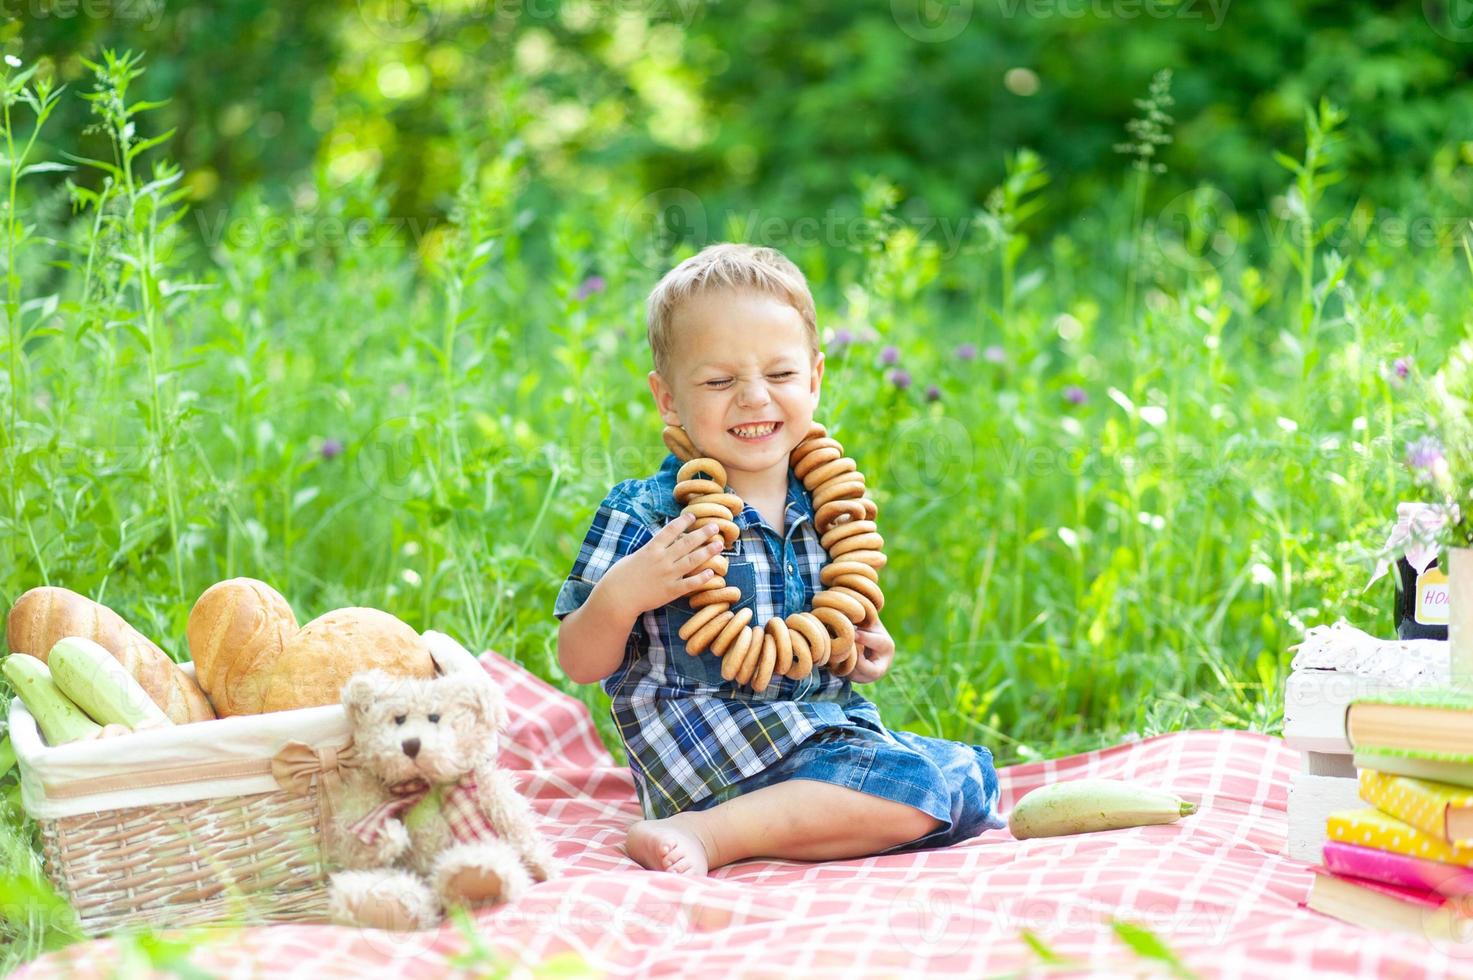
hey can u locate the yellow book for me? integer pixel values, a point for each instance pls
(1372, 828)
(1442, 810)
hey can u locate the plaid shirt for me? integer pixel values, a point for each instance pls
(689, 734)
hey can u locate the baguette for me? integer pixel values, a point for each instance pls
(46, 614)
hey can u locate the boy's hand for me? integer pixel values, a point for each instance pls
(876, 651)
(665, 567)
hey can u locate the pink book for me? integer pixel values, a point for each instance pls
(1374, 864)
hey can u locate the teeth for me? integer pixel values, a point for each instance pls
(755, 431)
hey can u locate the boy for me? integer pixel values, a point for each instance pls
(804, 770)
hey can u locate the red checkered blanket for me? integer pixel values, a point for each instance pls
(1213, 887)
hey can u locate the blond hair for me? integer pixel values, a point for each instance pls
(728, 265)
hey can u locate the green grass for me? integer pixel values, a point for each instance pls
(1061, 574)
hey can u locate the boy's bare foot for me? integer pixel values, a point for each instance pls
(666, 845)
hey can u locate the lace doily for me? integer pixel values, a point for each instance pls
(1342, 647)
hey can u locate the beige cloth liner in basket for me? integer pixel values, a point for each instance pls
(188, 824)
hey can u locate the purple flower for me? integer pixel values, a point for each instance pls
(994, 354)
(933, 393)
(899, 377)
(331, 448)
(965, 352)
(1402, 367)
(593, 284)
(1075, 395)
(890, 354)
(843, 337)
(1425, 457)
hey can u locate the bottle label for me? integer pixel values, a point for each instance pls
(1431, 607)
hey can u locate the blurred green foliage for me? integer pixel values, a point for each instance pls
(777, 102)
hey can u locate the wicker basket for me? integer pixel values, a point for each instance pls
(217, 821)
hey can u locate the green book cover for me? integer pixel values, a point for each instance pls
(1442, 767)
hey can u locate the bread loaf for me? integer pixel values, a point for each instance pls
(237, 630)
(318, 661)
(251, 657)
(44, 615)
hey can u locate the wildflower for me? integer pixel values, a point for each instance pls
(1426, 460)
(933, 393)
(12, 61)
(890, 355)
(842, 338)
(593, 284)
(899, 377)
(994, 354)
(1075, 395)
(400, 390)
(1401, 367)
(965, 352)
(331, 449)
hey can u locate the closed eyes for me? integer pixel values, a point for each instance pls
(726, 382)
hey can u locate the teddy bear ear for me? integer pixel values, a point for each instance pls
(362, 689)
(482, 696)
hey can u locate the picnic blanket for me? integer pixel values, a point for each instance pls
(1213, 887)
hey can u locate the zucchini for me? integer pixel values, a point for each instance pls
(1081, 806)
(58, 717)
(101, 686)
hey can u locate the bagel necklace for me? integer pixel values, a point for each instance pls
(844, 518)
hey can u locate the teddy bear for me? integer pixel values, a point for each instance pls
(425, 818)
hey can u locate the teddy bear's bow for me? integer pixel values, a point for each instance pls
(459, 805)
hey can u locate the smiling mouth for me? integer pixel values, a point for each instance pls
(755, 433)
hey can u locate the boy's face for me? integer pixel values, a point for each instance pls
(740, 359)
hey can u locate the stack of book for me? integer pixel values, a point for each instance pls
(1405, 862)
(1332, 667)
